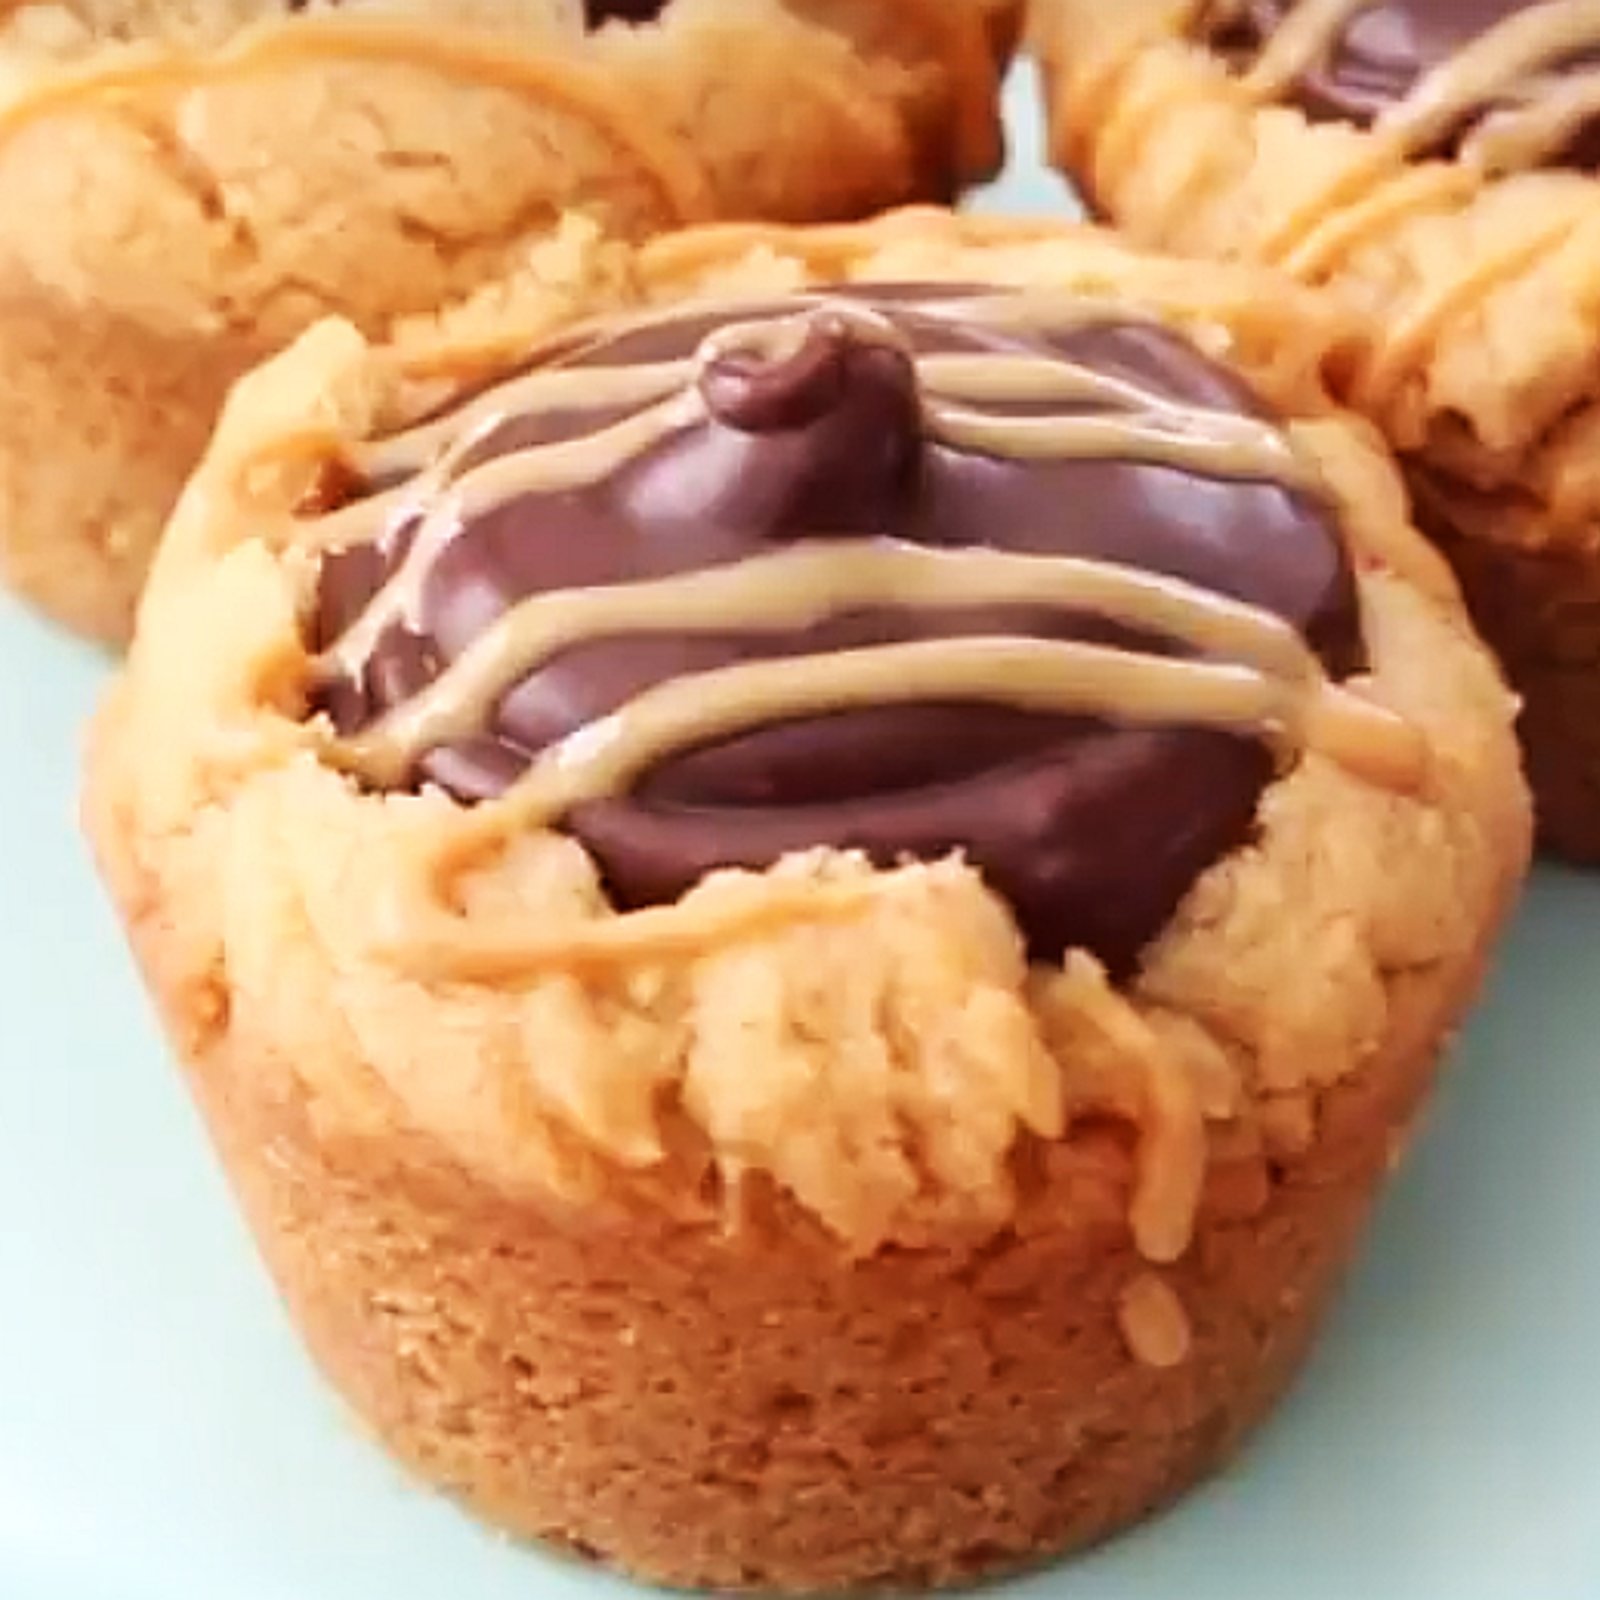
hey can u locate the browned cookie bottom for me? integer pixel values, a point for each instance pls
(763, 1413)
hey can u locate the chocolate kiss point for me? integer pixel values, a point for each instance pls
(830, 418)
(830, 369)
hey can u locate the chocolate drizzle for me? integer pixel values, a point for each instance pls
(1505, 84)
(907, 571)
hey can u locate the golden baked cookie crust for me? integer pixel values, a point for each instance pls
(1477, 295)
(822, 1240)
(190, 186)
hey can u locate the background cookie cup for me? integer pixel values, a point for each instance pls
(800, 1233)
(1472, 264)
(186, 190)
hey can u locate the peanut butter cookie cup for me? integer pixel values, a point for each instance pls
(1435, 164)
(185, 187)
(809, 877)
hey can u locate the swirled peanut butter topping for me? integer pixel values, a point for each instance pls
(1506, 86)
(905, 570)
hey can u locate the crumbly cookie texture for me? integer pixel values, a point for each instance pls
(825, 1242)
(189, 186)
(1480, 300)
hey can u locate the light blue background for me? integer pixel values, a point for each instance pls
(162, 1438)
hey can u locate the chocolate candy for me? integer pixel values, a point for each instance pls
(597, 12)
(1383, 51)
(1093, 829)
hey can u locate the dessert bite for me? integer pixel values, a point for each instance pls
(809, 877)
(1433, 166)
(188, 186)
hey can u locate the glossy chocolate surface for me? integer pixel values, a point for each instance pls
(1384, 51)
(1092, 831)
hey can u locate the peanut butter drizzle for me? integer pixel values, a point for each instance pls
(1506, 60)
(1509, 62)
(1169, 436)
(1299, 42)
(448, 502)
(1253, 673)
(604, 758)
(1517, 137)
(551, 388)
(1412, 332)
(1317, 251)
(563, 386)
(797, 588)
(430, 943)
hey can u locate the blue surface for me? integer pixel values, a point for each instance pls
(162, 1438)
